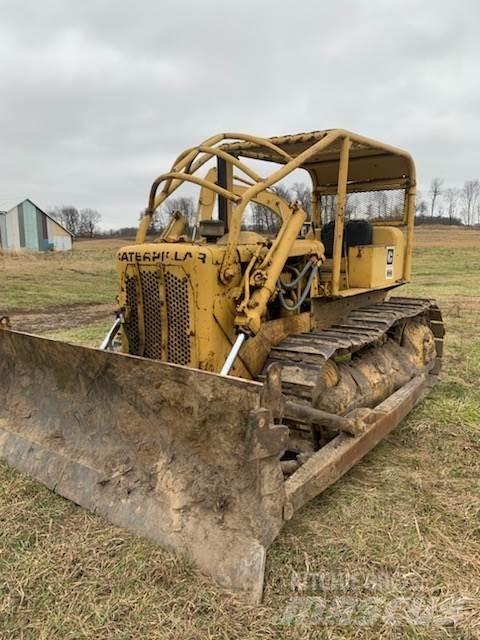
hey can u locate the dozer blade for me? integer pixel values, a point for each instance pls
(187, 458)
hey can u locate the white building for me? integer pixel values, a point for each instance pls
(26, 226)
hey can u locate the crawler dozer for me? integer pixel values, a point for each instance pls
(257, 353)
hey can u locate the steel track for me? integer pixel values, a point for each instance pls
(302, 356)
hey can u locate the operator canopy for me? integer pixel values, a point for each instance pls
(370, 162)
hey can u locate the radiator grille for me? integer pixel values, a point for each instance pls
(151, 314)
(179, 351)
(178, 317)
(131, 324)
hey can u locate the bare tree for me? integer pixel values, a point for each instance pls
(88, 223)
(55, 213)
(380, 203)
(452, 196)
(351, 206)
(303, 193)
(421, 206)
(185, 205)
(282, 191)
(68, 216)
(470, 196)
(264, 219)
(329, 205)
(435, 190)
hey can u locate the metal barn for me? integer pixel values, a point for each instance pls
(28, 227)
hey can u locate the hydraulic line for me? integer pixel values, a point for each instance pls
(293, 283)
(304, 293)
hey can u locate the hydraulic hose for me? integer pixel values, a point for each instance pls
(293, 283)
(304, 293)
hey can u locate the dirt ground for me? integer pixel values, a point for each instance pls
(59, 317)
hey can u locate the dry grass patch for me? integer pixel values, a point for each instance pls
(36, 281)
(102, 244)
(441, 236)
(67, 574)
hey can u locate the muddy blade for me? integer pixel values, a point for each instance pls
(186, 458)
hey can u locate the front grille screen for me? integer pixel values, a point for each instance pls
(178, 319)
(151, 314)
(177, 303)
(131, 323)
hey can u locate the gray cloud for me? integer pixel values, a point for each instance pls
(98, 97)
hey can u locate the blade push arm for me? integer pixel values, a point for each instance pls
(251, 311)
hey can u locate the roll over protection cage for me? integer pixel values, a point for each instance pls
(339, 162)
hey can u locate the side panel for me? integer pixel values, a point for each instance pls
(3, 232)
(50, 226)
(13, 235)
(60, 239)
(62, 243)
(21, 225)
(368, 266)
(392, 237)
(59, 231)
(30, 225)
(42, 231)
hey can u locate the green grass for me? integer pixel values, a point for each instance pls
(449, 274)
(89, 336)
(402, 529)
(36, 281)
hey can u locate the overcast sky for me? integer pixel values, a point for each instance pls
(99, 96)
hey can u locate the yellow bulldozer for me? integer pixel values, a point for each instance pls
(258, 362)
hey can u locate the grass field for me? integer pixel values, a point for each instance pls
(398, 537)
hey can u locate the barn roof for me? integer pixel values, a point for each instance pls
(44, 212)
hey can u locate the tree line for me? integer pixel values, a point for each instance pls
(458, 205)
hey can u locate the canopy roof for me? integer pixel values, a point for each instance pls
(370, 162)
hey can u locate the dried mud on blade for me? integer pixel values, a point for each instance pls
(184, 457)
